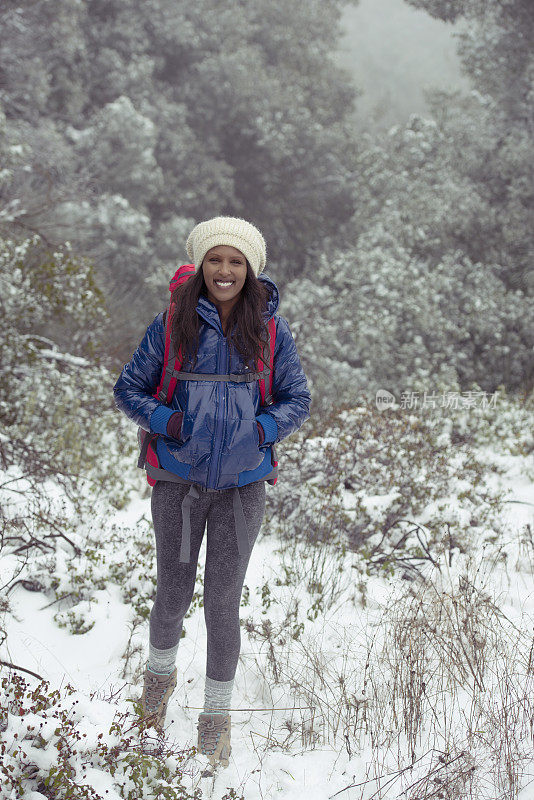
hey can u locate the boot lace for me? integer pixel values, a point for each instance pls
(154, 692)
(210, 732)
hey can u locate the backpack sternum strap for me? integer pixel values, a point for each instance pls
(242, 377)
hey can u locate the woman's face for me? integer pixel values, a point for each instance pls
(225, 272)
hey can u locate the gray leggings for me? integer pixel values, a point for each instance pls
(223, 576)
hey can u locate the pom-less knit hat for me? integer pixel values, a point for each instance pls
(232, 231)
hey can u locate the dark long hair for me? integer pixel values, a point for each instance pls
(246, 328)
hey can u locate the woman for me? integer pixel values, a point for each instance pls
(215, 445)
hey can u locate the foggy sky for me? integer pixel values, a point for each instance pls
(393, 52)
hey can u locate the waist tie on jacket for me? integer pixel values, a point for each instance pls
(239, 521)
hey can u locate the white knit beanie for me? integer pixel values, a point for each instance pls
(232, 231)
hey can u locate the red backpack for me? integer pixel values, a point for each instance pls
(170, 375)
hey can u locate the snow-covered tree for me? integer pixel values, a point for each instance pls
(376, 317)
(496, 48)
(58, 423)
(177, 111)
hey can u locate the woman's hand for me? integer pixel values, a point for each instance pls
(261, 432)
(174, 425)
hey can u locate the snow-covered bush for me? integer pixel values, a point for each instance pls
(64, 448)
(505, 424)
(64, 744)
(56, 410)
(428, 688)
(377, 317)
(74, 580)
(398, 486)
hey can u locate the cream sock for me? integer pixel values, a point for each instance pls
(162, 661)
(218, 695)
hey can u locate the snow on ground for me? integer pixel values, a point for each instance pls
(261, 765)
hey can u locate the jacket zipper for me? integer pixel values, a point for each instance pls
(213, 474)
(224, 391)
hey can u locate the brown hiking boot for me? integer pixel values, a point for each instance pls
(214, 737)
(157, 690)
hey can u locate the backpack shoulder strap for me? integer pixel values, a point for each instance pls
(167, 383)
(268, 357)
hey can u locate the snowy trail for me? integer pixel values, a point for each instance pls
(259, 768)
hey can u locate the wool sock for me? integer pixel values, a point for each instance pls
(161, 661)
(218, 695)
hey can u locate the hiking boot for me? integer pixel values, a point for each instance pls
(157, 690)
(214, 737)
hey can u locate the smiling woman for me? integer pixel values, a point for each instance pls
(214, 442)
(225, 271)
(241, 307)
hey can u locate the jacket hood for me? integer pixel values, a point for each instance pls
(274, 297)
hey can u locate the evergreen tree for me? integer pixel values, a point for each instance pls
(144, 118)
(496, 48)
(375, 317)
(435, 278)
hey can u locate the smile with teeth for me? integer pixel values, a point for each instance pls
(223, 284)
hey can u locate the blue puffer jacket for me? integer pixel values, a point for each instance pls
(219, 445)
